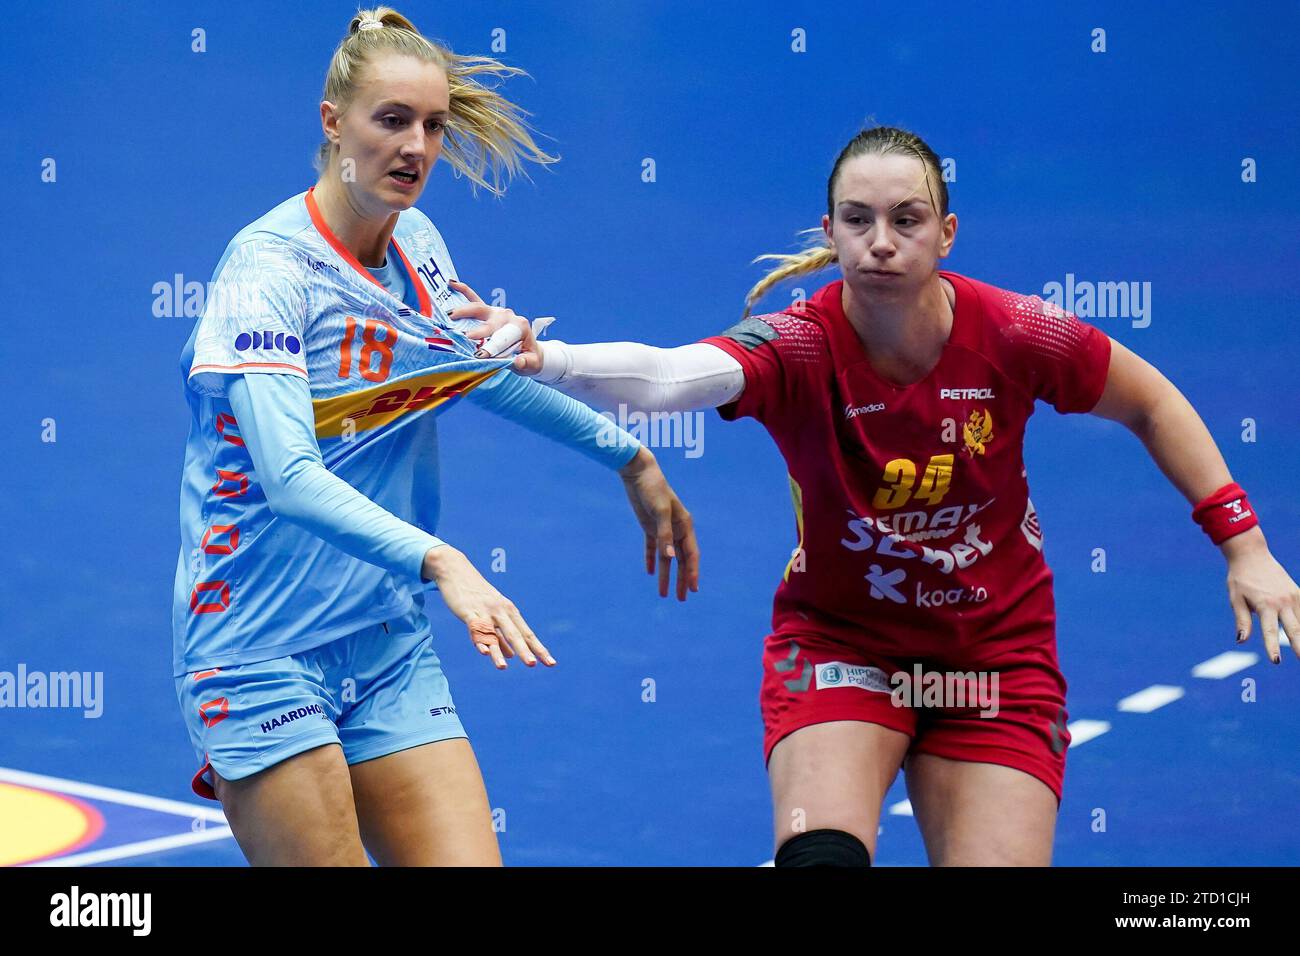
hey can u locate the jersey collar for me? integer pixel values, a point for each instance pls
(317, 220)
(847, 348)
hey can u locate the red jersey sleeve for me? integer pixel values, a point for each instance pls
(775, 351)
(1059, 359)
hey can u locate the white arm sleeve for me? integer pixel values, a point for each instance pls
(643, 377)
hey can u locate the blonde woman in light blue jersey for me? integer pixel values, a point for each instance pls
(302, 652)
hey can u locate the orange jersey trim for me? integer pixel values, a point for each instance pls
(317, 220)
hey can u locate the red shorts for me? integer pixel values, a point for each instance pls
(1009, 710)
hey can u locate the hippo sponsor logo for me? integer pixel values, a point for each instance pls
(837, 674)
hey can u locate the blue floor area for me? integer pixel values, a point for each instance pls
(1122, 166)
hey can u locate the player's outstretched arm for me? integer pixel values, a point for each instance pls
(1139, 397)
(485, 610)
(642, 377)
(669, 530)
(608, 374)
(275, 416)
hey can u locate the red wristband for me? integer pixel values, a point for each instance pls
(1225, 513)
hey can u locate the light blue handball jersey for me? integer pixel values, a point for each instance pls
(287, 298)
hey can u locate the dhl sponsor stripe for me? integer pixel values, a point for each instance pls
(370, 408)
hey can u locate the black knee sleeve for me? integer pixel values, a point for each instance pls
(823, 848)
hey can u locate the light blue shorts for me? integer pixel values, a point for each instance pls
(374, 692)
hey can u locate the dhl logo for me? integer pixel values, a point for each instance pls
(376, 407)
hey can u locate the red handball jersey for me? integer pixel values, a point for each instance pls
(917, 537)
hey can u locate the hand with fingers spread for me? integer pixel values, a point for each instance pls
(495, 625)
(493, 319)
(669, 531)
(1258, 585)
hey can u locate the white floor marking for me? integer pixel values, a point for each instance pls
(903, 808)
(76, 788)
(1225, 664)
(1152, 698)
(1081, 731)
(211, 822)
(155, 845)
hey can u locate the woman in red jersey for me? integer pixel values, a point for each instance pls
(915, 625)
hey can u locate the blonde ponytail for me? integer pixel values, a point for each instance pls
(813, 259)
(487, 140)
(487, 133)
